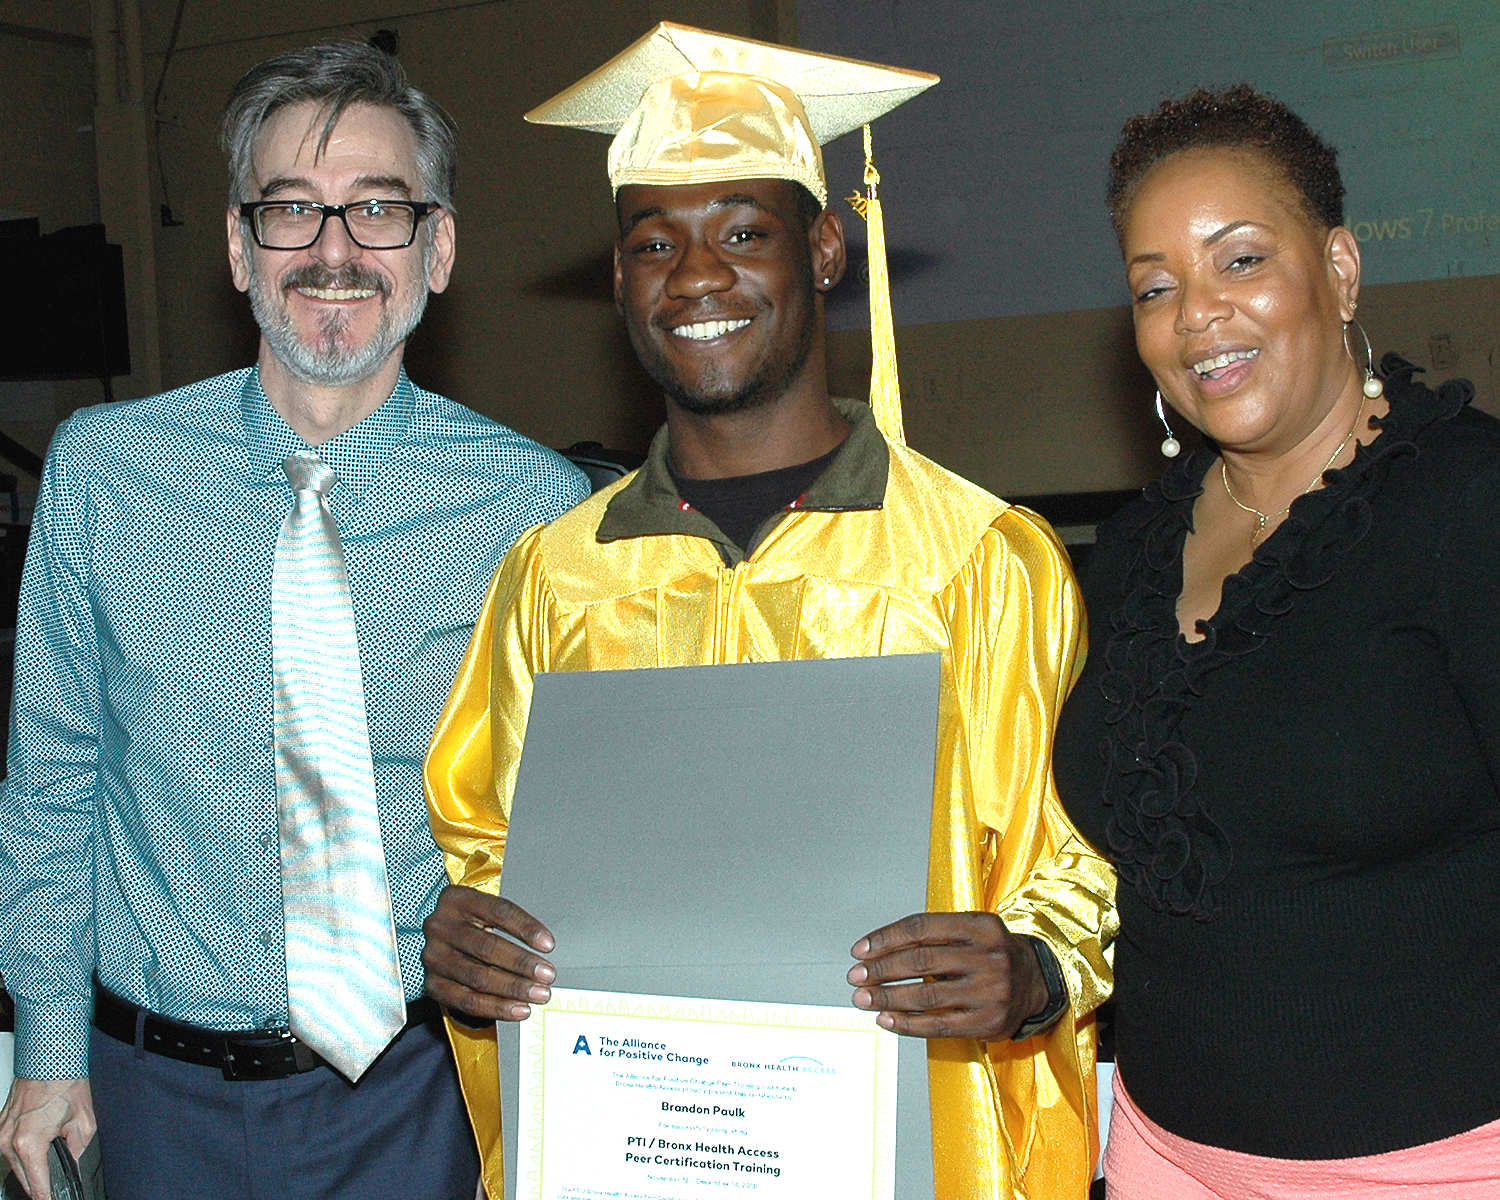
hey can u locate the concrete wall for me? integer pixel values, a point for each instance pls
(528, 332)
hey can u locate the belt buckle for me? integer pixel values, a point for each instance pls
(274, 1058)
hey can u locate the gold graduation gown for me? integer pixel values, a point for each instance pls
(886, 554)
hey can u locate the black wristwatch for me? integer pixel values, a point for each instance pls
(1057, 993)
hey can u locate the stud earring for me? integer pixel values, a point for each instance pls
(826, 281)
(1373, 388)
(1170, 448)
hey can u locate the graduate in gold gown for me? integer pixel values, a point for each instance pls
(772, 522)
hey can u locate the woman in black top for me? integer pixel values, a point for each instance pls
(1287, 735)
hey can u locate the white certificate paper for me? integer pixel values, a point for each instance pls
(628, 1097)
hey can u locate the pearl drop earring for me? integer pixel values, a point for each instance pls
(1372, 387)
(1171, 447)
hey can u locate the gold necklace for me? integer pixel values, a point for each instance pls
(1263, 519)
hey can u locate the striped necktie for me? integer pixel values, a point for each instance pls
(344, 992)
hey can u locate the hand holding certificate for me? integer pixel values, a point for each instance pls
(736, 868)
(928, 975)
(968, 976)
(472, 966)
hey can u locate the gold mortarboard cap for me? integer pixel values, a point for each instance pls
(690, 106)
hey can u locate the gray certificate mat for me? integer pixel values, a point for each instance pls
(728, 832)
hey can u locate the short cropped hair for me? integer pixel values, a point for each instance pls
(1237, 118)
(337, 76)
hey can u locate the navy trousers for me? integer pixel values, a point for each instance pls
(175, 1131)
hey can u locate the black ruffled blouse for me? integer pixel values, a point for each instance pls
(1302, 806)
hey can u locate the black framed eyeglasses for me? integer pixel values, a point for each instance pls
(372, 224)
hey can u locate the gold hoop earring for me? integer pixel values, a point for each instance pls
(1170, 448)
(1373, 387)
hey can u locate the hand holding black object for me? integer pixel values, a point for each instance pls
(37, 1111)
(474, 968)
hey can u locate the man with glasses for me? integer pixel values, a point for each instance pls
(244, 602)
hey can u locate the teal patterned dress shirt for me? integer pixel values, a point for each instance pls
(138, 829)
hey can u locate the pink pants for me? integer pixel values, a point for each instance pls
(1144, 1162)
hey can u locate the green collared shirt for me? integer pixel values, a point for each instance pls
(650, 505)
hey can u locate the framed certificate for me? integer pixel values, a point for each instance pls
(665, 1097)
(725, 833)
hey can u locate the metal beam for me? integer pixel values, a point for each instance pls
(33, 33)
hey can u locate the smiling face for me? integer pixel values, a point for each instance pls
(335, 313)
(1239, 298)
(717, 283)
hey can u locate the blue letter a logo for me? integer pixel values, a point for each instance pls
(582, 1044)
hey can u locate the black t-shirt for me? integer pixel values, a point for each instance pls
(1303, 806)
(741, 504)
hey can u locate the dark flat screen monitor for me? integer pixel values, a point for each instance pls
(62, 305)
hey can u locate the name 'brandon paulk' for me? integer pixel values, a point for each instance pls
(714, 1110)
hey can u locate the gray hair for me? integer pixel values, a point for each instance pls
(337, 76)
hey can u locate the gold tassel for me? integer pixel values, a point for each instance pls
(885, 383)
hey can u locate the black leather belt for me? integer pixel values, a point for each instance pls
(249, 1054)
